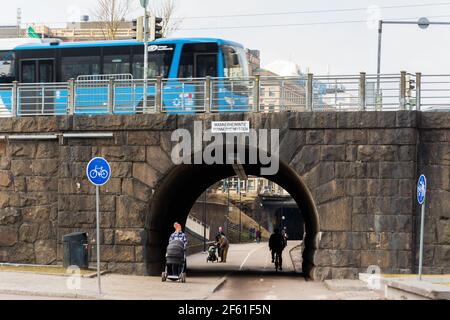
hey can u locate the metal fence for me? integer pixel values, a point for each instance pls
(125, 95)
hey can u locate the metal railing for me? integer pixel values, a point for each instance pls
(124, 95)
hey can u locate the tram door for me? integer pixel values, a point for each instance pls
(34, 97)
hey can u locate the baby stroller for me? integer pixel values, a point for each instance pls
(175, 269)
(212, 256)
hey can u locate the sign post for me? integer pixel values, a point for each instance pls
(98, 172)
(144, 4)
(421, 192)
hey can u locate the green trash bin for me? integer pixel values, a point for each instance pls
(76, 250)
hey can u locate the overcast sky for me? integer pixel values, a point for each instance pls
(337, 48)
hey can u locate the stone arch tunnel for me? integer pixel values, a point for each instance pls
(353, 172)
(177, 194)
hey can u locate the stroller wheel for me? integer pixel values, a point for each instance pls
(164, 277)
(183, 277)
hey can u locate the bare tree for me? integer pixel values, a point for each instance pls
(110, 14)
(166, 9)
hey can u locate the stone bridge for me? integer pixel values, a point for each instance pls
(353, 176)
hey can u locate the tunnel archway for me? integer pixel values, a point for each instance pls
(178, 191)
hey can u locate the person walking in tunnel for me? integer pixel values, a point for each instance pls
(224, 245)
(258, 236)
(277, 244)
(285, 234)
(218, 236)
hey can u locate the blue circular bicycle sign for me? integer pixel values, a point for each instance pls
(421, 189)
(98, 171)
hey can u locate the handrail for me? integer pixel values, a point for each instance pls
(121, 94)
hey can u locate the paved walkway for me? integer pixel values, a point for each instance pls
(251, 257)
(114, 287)
(248, 274)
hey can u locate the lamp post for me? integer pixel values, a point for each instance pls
(240, 209)
(228, 205)
(204, 220)
(144, 4)
(422, 23)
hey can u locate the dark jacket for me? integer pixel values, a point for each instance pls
(277, 242)
(219, 235)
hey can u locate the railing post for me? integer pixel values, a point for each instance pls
(362, 91)
(71, 96)
(257, 93)
(159, 89)
(418, 91)
(402, 90)
(207, 100)
(111, 95)
(15, 99)
(309, 92)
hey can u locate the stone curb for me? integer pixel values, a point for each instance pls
(216, 288)
(221, 283)
(50, 294)
(292, 259)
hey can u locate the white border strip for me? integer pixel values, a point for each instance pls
(33, 137)
(89, 135)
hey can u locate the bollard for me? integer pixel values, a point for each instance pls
(71, 96)
(159, 89)
(111, 95)
(15, 99)
(418, 91)
(257, 94)
(309, 92)
(207, 101)
(362, 91)
(402, 90)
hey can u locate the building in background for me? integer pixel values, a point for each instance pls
(8, 32)
(280, 94)
(254, 61)
(84, 30)
(253, 186)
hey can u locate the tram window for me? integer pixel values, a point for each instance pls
(6, 67)
(186, 69)
(198, 60)
(116, 64)
(158, 65)
(72, 67)
(29, 71)
(235, 62)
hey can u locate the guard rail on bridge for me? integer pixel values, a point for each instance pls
(387, 92)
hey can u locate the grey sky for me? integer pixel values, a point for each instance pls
(337, 48)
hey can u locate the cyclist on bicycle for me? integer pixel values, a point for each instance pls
(277, 244)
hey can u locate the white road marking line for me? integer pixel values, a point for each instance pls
(248, 256)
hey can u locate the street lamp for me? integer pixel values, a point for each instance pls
(204, 220)
(144, 4)
(423, 23)
(228, 205)
(240, 210)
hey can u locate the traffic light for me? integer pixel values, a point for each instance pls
(138, 28)
(156, 28)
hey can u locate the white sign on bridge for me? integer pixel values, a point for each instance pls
(230, 127)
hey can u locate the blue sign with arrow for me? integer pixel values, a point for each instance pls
(421, 189)
(98, 171)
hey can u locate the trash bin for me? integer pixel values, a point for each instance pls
(76, 250)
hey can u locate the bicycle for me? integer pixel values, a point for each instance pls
(98, 172)
(277, 262)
